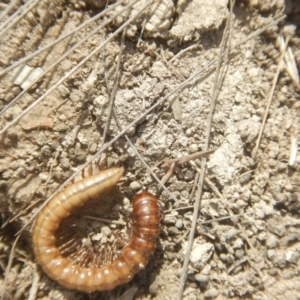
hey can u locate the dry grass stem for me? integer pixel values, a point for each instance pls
(183, 159)
(279, 66)
(216, 89)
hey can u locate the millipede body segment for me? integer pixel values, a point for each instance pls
(146, 217)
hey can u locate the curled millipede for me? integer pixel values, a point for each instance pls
(146, 215)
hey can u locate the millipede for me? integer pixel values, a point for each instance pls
(134, 257)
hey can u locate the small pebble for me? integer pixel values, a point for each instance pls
(200, 254)
(273, 271)
(281, 166)
(46, 151)
(239, 253)
(193, 148)
(21, 172)
(276, 227)
(3, 184)
(272, 241)
(248, 129)
(280, 261)
(288, 187)
(43, 176)
(65, 163)
(80, 157)
(93, 148)
(179, 224)
(189, 175)
(288, 274)
(54, 145)
(255, 198)
(7, 174)
(289, 239)
(292, 256)
(202, 279)
(271, 254)
(105, 230)
(173, 230)
(211, 293)
(135, 185)
(245, 178)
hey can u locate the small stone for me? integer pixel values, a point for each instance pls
(43, 176)
(200, 254)
(179, 224)
(3, 185)
(7, 174)
(82, 138)
(70, 137)
(93, 148)
(57, 174)
(289, 239)
(276, 227)
(292, 256)
(280, 197)
(173, 231)
(271, 254)
(255, 198)
(21, 172)
(272, 241)
(239, 253)
(63, 91)
(206, 270)
(193, 148)
(65, 163)
(60, 127)
(280, 261)
(281, 166)
(187, 175)
(41, 138)
(202, 279)
(273, 271)
(211, 293)
(135, 185)
(245, 178)
(80, 157)
(46, 151)
(288, 187)
(105, 230)
(248, 129)
(54, 145)
(288, 274)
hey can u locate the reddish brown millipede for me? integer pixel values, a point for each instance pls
(146, 217)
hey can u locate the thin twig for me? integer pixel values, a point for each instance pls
(115, 86)
(215, 92)
(262, 128)
(105, 220)
(35, 283)
(183, 159)
(226, 218)
(8, 267)
(184, 51)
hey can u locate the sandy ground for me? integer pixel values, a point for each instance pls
(175, 78)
